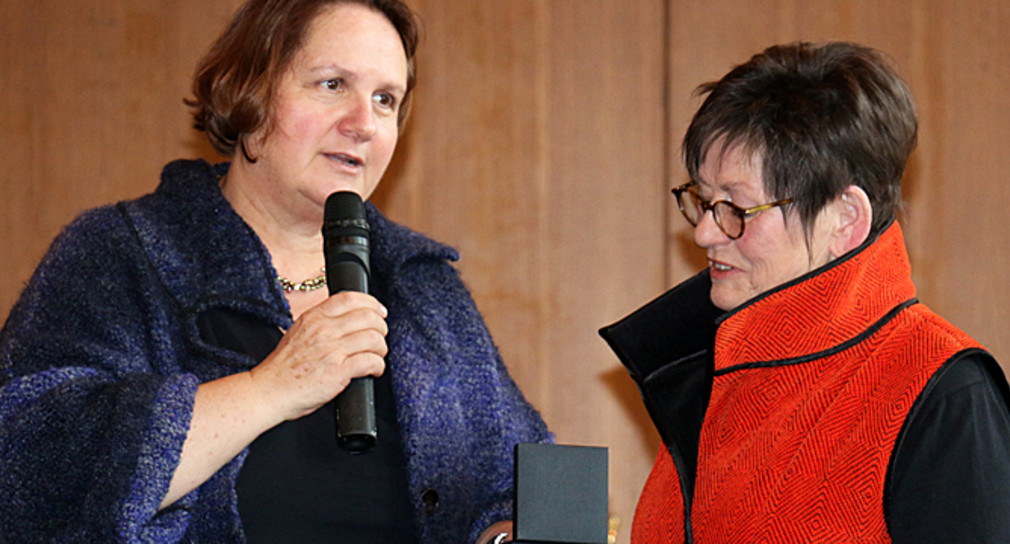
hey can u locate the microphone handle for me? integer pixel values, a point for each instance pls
(356, 430)
(355, 405)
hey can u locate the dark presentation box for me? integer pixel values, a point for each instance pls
(560, 494)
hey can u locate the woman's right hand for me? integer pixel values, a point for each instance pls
(341, 338)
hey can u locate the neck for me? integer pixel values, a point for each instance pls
(294, 240)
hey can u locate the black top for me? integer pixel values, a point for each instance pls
(296, 484)
(950, 477)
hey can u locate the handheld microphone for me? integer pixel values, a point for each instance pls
(345, 244)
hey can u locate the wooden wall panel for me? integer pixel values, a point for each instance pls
(544, 141)
(536, 148)
(90, 109)
(960, 195)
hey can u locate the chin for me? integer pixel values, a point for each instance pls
(725, 301)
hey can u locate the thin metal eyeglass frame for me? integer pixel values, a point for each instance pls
(706, 206)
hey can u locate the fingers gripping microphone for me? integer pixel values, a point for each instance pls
(345, 244)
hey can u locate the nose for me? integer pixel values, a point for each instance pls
(358, 121)
(707, 233)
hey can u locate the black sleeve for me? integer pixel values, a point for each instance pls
(950, 473)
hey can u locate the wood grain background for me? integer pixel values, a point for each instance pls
(543, 143)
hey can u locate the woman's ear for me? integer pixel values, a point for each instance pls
(855, 215)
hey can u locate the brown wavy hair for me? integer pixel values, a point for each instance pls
(234, 83)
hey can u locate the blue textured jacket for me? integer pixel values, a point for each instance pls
(101, 357)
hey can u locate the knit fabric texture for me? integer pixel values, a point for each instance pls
(101, 357)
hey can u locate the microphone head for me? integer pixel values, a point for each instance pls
(344, 205)
(344, 215)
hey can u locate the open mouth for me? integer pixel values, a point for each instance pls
(348, 160)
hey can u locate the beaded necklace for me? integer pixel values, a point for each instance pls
(310, 284)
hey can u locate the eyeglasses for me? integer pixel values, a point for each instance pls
(730, 218)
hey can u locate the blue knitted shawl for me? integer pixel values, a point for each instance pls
(101, 357)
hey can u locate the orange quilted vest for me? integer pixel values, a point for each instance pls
(812, 384)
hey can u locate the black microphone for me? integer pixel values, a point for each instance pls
(345, 244)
